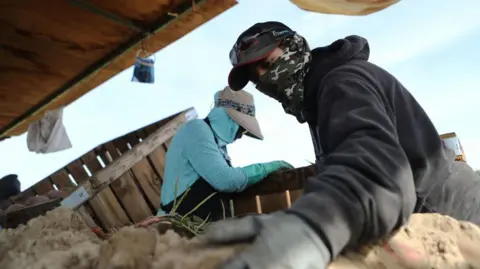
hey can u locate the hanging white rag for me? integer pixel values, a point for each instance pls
(48, 134)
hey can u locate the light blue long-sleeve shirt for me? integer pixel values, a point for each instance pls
(193, 154)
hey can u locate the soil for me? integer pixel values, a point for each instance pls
(61, 240)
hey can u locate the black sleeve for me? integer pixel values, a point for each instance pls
(365, 188)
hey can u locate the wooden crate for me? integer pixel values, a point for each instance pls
(135, 193)
(22, 216)
(452, 142)
(118, 183)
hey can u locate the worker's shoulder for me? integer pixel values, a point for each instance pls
(194, 128)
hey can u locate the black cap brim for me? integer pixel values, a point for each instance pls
(239, 77)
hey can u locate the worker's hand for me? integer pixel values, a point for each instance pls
(256, 172)
(280, 241)
(277, 165)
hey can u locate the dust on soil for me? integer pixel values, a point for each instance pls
(61, 240)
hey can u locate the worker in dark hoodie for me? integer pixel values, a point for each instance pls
(379, 157)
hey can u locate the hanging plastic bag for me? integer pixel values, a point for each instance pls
(48, 134)
(143, 70)
(344, 7)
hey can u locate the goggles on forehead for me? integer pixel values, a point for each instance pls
(255, 47)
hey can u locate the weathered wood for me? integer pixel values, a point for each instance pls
(77, 171)
(294, 195)
(94, 206)
(273, 202)
(87, 217)
(126, 188)
(61, 179)
(22, 197)
(167, 143)
(103, 178)
(23, 215)
(43, 186)
(280, 182)
(246, 205)
(119, 166)
(45, 46)
(157, 159)
(110, 212)
(147, 179)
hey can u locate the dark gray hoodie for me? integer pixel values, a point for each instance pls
(379, 156)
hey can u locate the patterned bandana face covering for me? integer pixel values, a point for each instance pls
(284, 79)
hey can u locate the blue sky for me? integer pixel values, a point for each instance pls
(432, 46)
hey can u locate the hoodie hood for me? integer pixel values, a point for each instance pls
(325, 59)
(339, 52)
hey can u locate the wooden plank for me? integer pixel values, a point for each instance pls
(108, 210)
(150, 129)
(127, 192)
(167, 143)
(245, 205)
(118, 167)
(68, 38)
(94, 206)
(87, 217)
(77, 171)
(294, 195)
(273, 202)
(43, 186)
(61, 179)
(157, 158)
(113, 171)
(24, 195)
(147, 178)
(280, 182)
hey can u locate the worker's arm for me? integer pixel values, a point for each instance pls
(205, 156)
(365, 188)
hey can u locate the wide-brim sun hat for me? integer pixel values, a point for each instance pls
(240, 106)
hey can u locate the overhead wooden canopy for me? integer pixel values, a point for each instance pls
(52, 52)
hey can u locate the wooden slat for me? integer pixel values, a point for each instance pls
(44, 186)
(157, 159)
(280, 182)
(79, 175)
(148, 179)
(87, 217)
(245, 205)
(167, 144)
(108, 210)
(294, 195)
(61, 34)
(150, 129)
(113, 171)
(61, 179)
(118, 167)
(273, 202)
(24, 195)
(77, 171)
(126, 190)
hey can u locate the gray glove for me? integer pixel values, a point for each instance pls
(280, 241)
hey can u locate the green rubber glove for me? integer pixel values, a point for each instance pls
(277, 165)
(256, 172)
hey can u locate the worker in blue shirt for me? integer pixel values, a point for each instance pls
(197, 160)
